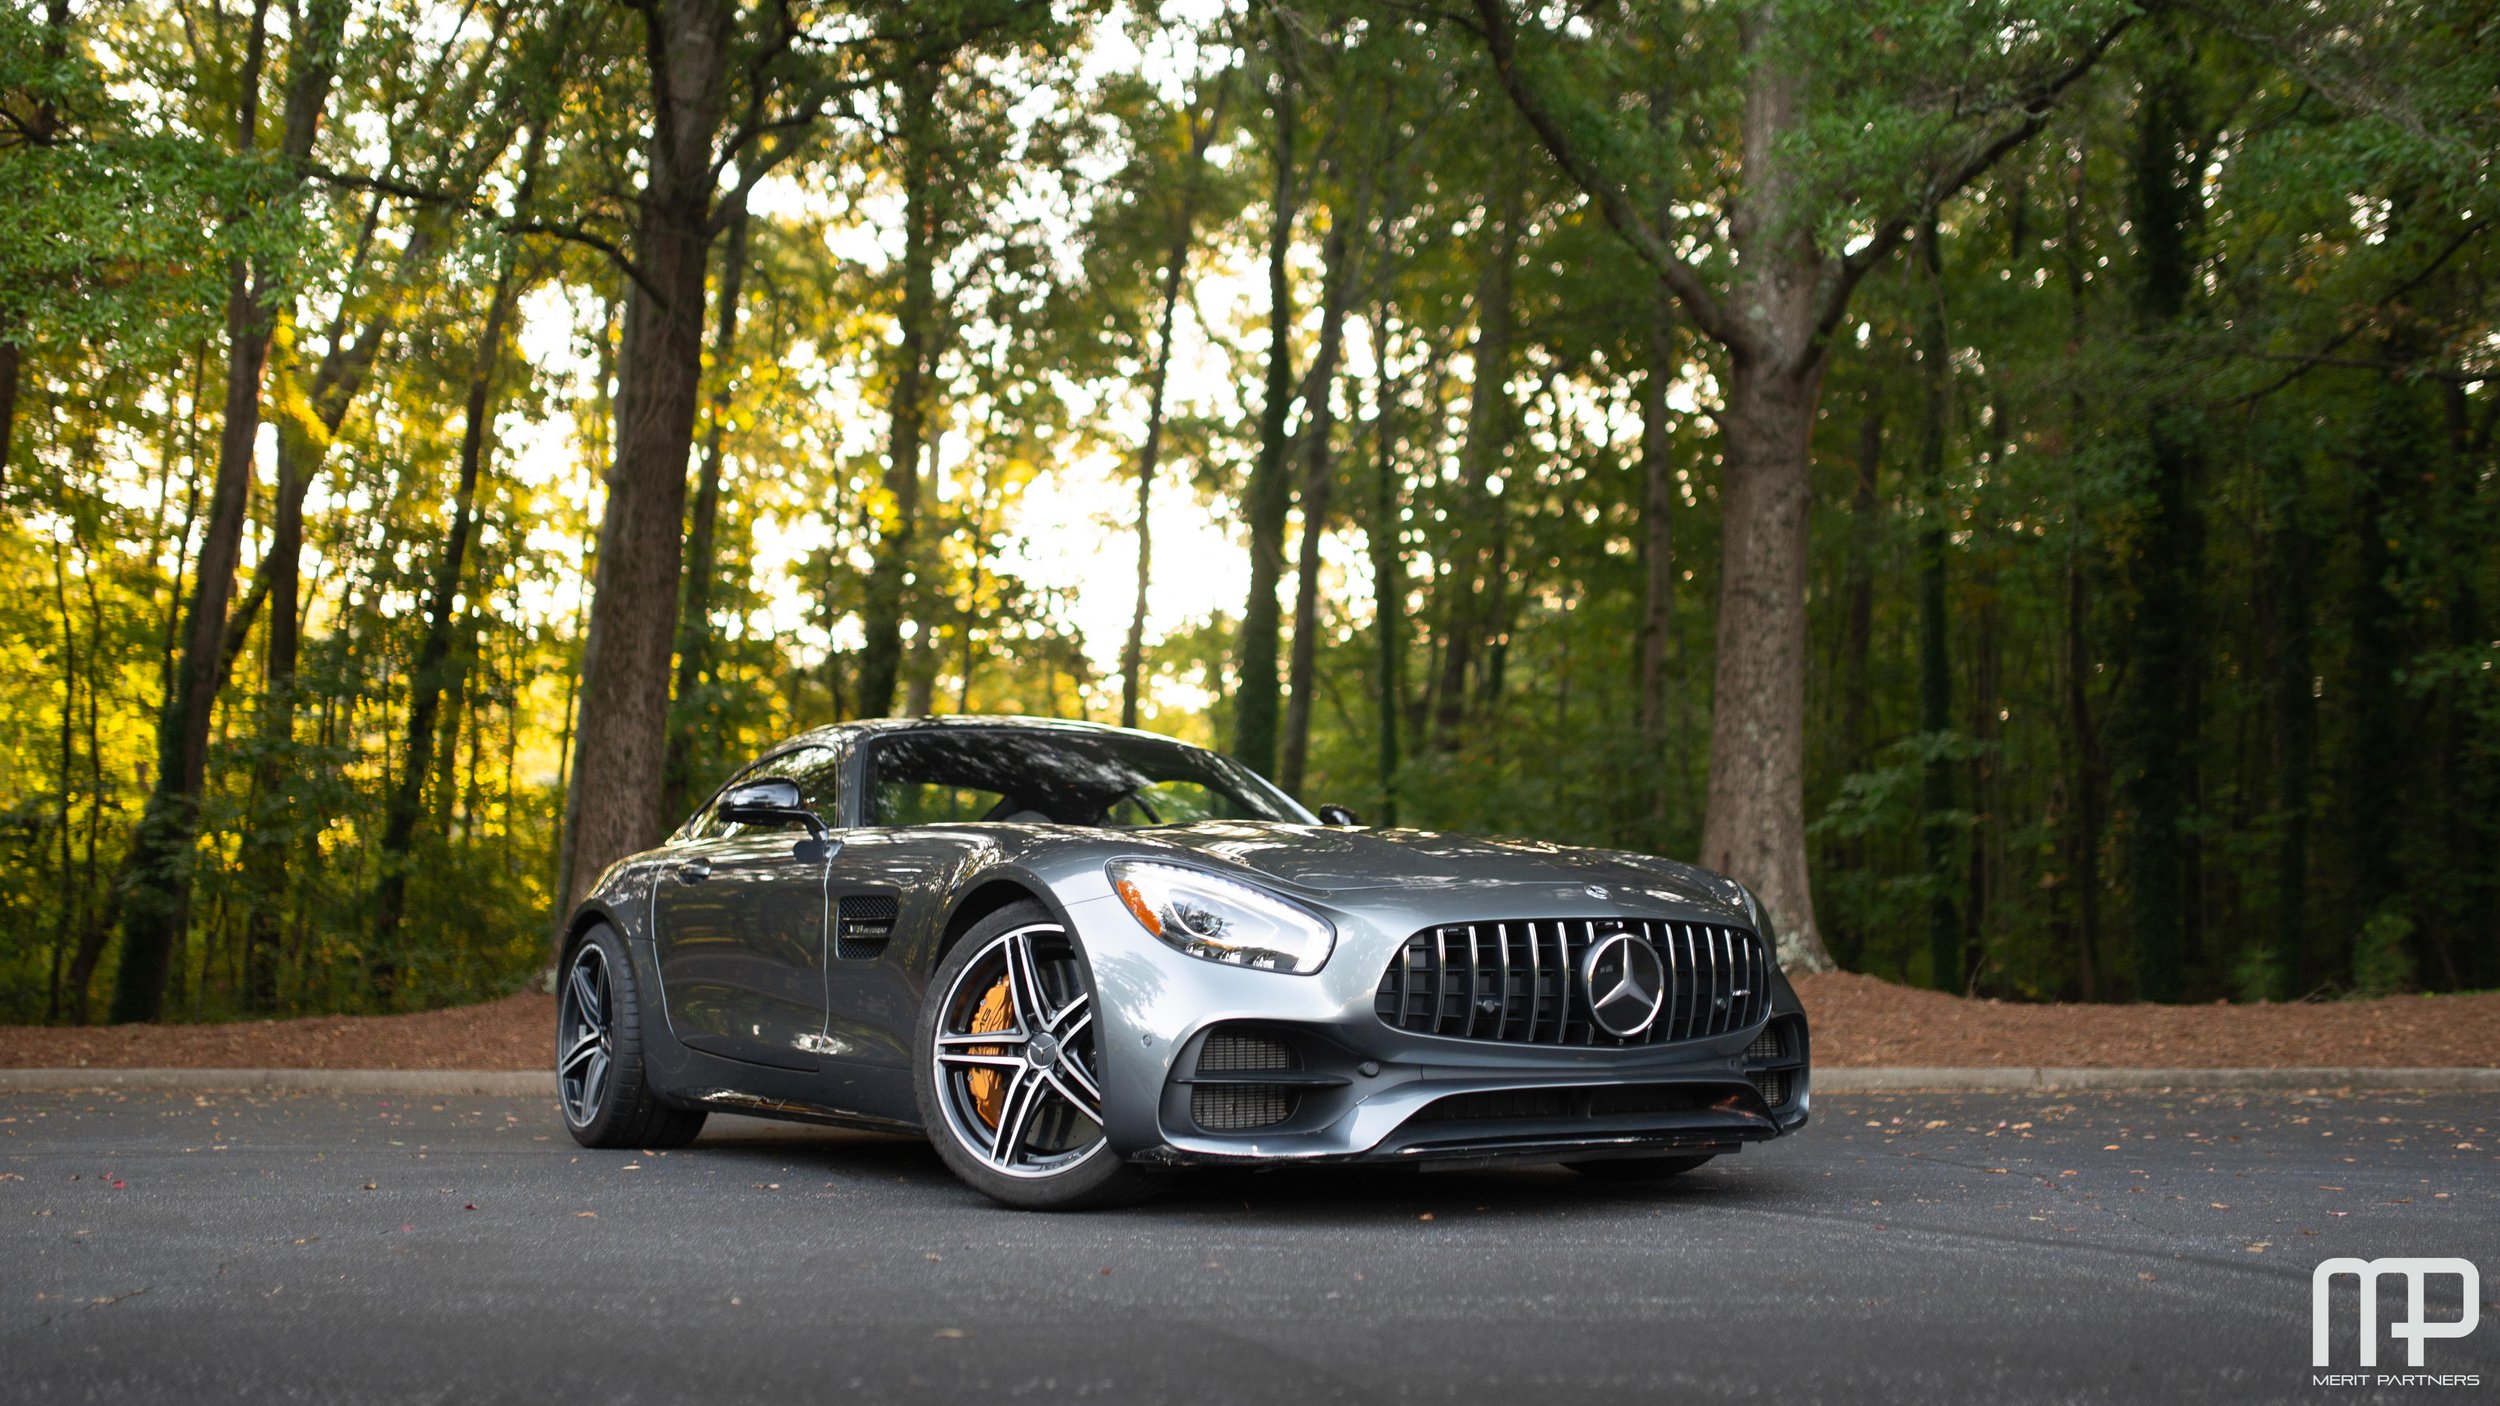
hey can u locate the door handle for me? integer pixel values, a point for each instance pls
(694, 871)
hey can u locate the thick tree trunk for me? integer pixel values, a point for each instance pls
(621, 744)
(881, 655)
(156, 876)
(1268, 495)
(2157, 724)
(1754, 823)
(690, 710)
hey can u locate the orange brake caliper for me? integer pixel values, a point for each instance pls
(987, 1086)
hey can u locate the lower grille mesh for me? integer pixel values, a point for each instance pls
(1233, 1108)
(1233, 1054)
(1773, 1083)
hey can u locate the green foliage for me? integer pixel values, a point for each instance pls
(2335, 705)
(2382, 962)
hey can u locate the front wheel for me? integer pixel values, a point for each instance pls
(1007, 1069)
(607, 1097)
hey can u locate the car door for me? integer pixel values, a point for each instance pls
(739, 920)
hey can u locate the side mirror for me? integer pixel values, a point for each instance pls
(774, 800)
(1337, 815)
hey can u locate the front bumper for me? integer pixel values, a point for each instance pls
(1358, 1090)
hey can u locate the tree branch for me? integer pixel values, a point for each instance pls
(1613, 201)
(1844, 274)
(569, 233)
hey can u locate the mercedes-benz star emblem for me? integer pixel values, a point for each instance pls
(1626, 984)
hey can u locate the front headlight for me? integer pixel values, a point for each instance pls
(1754, 914)
(1221, 920)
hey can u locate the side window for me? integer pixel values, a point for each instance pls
(817, 770)
(1172, 803)
(926, 803)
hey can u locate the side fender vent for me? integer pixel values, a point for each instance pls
(863, 923)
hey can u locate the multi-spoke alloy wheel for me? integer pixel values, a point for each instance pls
(607, 1095)
(586, 1041)
(1014, 1054)
(1010, 1079)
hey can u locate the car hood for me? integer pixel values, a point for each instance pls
(1324, 861)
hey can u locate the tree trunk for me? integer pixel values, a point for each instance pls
(1267, 497)
(1489, 421)
(1935, 659)
(10, 359)
(1341, 264)
(1857, 592)
(432, 672)
(156, 876)
(2156, 725)
(621, 743)
(1150, 453)
(881, 656)
(1754, 823)
(1657, 558)
(691, 710)
(43, 126)
(2296, 730)
(1388, 572)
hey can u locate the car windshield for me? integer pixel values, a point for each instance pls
(1040, 776)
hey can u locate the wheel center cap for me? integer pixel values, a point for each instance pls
(1042, 1052)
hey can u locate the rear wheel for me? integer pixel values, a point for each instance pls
(1639, 1168)
(1008, 1072)
(600, 1081)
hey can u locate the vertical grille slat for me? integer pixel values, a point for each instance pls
(1501, 941)
(1536, 983)
(1706, 967)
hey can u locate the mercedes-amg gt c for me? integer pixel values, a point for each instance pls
(1078, 957)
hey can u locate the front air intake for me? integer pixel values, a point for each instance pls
(1235, 1101)
(1237, 1108)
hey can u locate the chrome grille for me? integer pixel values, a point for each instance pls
(1519, 981)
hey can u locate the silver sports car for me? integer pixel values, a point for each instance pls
(1079, 957)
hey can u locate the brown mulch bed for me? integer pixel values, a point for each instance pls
(517, 1032)
(1858, 1020)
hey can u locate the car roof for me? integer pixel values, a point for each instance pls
(836, 733)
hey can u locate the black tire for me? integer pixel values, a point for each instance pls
(602, 1086)
(1052, 1160)
(1639, 1168)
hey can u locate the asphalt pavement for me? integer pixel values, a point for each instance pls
(2119, 1247)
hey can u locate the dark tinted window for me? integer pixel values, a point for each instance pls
(816, 769)
(937, 775)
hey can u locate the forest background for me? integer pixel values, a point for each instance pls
(2014, 482)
